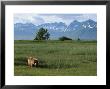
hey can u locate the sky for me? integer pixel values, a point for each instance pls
(38, 19)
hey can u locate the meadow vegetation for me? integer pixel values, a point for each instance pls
(56, 58)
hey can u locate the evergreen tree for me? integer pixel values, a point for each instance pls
(42, 34)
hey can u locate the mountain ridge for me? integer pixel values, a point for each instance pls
(86, 30)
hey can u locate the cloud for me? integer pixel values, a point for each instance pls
(28, 18)
(67, 18)
(86, 17)
(51, 18)
(63, 16)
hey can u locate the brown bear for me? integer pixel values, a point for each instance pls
(32, 62)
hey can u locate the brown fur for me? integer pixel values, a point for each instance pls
(32, 62)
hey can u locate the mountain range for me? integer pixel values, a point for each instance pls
(86, 30)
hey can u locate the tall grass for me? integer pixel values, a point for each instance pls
(70, 57)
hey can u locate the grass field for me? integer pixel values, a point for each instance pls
(56, 58)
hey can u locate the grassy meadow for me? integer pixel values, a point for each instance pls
(56, 58)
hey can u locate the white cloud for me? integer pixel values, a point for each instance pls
(67, 18)
(86, 17)
(55, 18)
(28, 18)
(51, 18)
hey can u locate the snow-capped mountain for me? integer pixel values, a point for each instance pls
(24, 31)
(73, 26)
(86, 30)
(53, 26)
(89, 24)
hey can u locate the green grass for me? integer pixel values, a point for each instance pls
(56, 58)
